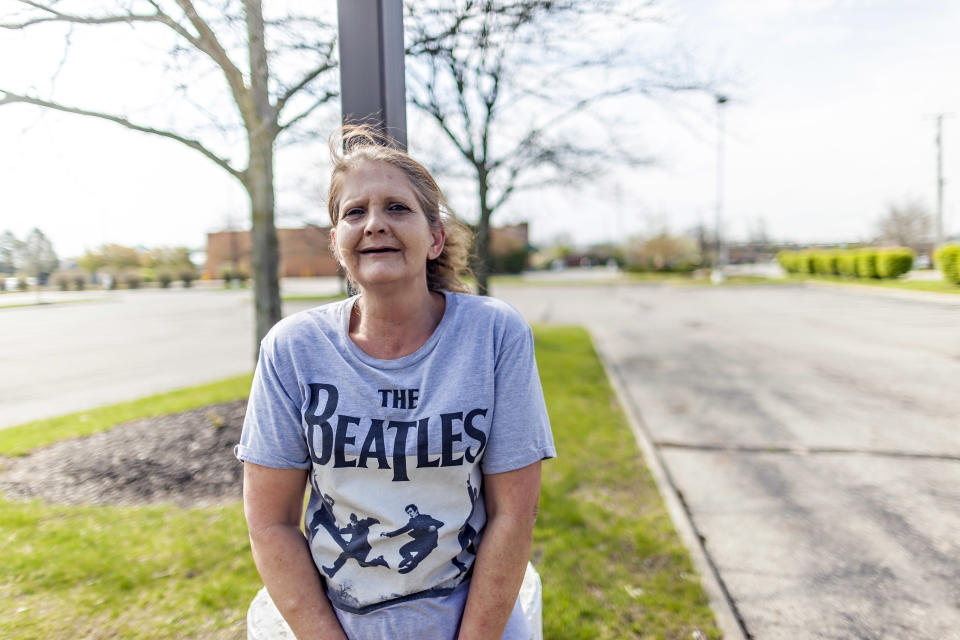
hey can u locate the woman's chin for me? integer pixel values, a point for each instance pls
(380, 278)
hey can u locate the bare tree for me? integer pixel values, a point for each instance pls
(9, 248)
(906, 224)
(36, 256)
(275, 71)
(518, 90)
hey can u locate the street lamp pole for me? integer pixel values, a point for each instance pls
(372, 88)
(717, 275)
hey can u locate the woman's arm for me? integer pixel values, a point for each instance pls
(511, 500)
(273, 504)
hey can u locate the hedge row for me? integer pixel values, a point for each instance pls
(947, 258)
(853, 263)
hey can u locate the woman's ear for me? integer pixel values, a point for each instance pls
(333, 245)
(436, 247)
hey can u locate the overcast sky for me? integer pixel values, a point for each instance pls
(828, 122)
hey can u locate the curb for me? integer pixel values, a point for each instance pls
(728, 619)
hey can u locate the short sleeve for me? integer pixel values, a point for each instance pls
(272, 435)
(520, 428)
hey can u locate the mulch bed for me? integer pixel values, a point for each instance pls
(183, 458)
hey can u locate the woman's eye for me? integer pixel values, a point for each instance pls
(399, 206)
(353, 212)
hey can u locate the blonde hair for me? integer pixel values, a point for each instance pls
(355, 144)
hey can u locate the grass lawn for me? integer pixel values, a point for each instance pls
(611, 564)
(626, 278)
(937, 286)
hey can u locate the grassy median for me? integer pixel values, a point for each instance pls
(611, 564)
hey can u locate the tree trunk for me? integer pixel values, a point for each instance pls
(482, 267)
(265, 256)
(260, 119)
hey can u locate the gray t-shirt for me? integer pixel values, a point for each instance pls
(397, 450)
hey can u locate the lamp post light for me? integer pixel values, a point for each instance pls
(716, 276)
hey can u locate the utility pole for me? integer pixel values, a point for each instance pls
(939, 179)
(716, 276)
(939, 223)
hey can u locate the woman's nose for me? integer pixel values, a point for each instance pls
(375, 221)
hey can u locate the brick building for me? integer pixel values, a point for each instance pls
(306, 252)
(303, 252)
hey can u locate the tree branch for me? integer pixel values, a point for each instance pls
(10, 98)
(307, 79)
(206, 41)
(59, 16)
(325, 98)
(433, 110)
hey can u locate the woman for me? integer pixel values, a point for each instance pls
(394, 406)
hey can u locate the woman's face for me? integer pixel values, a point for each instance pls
(382, 236)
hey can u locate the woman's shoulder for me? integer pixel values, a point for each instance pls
(307, 324)
(480, 306)
(492, 312)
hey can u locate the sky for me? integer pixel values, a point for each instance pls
(828, 123)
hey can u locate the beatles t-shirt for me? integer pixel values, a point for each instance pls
(397, 449)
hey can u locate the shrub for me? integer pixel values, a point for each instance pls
(164, 277)
(188, 276)
(825, 263)
(788, 260)
(867, 263)
(847, 263)
(805, 262)
(227, 275)
(947, 258)
(510, 262)
(131, 278)
(62, 280)
(893, 263)
(79, 280)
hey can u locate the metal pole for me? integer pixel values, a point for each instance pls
(372, 88)
(939, 239)
(717, 275)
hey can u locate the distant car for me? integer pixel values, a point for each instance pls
(922, 261)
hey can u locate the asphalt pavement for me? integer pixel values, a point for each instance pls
(813, 437)
(100, 347)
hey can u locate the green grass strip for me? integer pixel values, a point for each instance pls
(611, 563)
(936, 286)
(21, 439)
